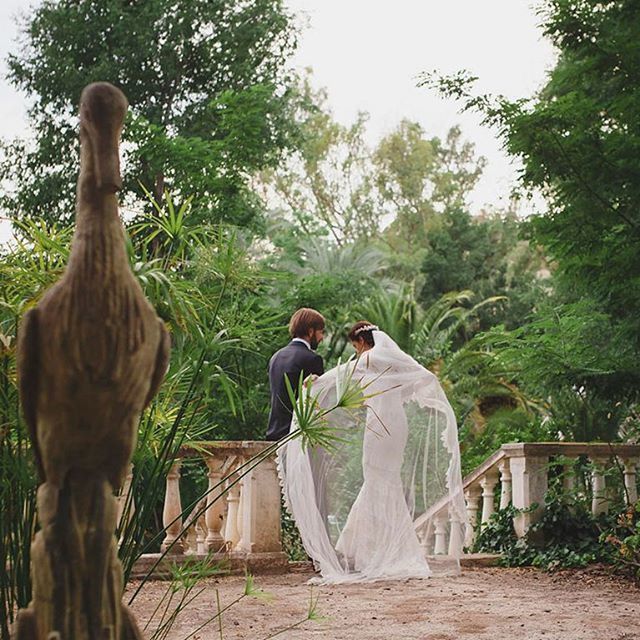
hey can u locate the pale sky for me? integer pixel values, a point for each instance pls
(368, 54)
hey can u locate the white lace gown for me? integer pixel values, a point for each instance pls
(356, 506)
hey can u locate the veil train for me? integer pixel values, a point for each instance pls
(386, 502)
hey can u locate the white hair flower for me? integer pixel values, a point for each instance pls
(367, 327)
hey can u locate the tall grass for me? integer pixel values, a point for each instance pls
(17, 496)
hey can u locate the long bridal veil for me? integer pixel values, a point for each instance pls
(386, 501)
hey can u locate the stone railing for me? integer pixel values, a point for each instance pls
(237, 523)
(518, 474)
(242, 527)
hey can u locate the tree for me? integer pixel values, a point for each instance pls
(484, 253)
(331, 278)
(327, 185)
(421, 178)
(339, 185)
(578, 141)
(572, 356)
(207, 85)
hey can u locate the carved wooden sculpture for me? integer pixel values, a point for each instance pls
(91, 356)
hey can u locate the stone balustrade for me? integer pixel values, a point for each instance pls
(522, 472)
(237, 522)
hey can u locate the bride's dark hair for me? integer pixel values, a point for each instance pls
(362, 329)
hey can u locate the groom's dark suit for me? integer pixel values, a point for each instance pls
(291, 361)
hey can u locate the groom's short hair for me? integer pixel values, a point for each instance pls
(303, 320)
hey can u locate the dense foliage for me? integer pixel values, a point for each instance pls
(567, 535)
(577, 141)
(625, 539)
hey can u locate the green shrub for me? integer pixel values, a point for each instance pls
(623, 540)
(567, 535)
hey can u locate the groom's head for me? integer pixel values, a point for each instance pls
(307, 324)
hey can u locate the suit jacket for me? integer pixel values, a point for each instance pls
(291, 361)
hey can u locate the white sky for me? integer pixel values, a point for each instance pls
(368, 54)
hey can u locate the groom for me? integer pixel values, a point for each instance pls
(297, 358)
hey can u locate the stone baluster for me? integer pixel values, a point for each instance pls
(126, 502)
(440, 533)
(201, 534)
(240, 517)
(569, 477)
(192, 537)
(232, 533)
(472, 498)
(247, 511)
(529, 481)
(630, 480)
(171, 514)
(215, 505)
(505, 483)
(190, 545)
(456, 537)
(259, 510)
(426, 538)
(599, 501)
(488, 484)
(422, 540)
(240, 505)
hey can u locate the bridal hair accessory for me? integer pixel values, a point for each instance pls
(367, 327)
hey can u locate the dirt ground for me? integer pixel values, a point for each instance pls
(501, 604)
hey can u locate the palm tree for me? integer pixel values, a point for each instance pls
(396, 312)
(320, 256)
(470, 370)
(447, 322)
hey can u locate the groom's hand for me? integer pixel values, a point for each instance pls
(310, 379)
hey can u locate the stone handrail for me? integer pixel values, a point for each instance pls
(243, 526)
(521, 470)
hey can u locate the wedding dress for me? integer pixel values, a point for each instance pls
(361, 506)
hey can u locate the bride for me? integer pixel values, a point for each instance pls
(389, 489)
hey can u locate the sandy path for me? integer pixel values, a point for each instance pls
(482, 603)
